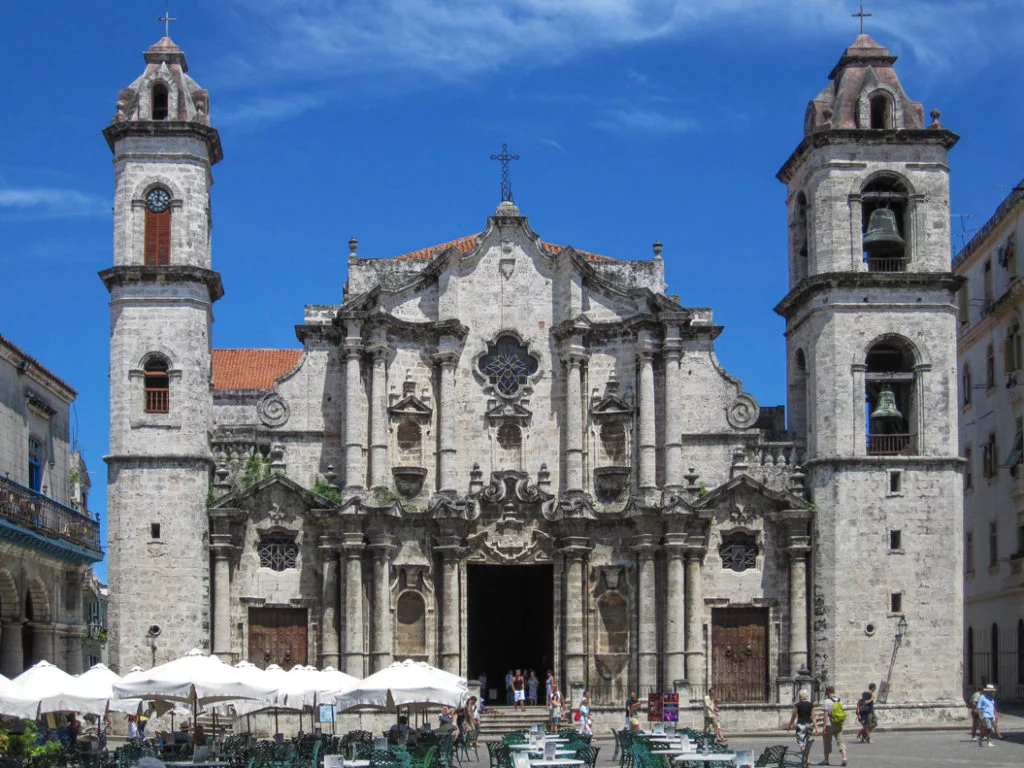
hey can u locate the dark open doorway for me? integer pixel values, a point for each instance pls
(511, 623)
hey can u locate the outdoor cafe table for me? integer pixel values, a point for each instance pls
(203, 764)
(556, 762)
(539, 749)
(711, 757)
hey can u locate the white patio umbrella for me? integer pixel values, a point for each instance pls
(405, 683)
(195, 678)
(56, 691)
(14, 702)
(100, 679)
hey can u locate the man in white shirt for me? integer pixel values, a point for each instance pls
(833, 724)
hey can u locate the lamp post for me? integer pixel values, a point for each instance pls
(901, 630)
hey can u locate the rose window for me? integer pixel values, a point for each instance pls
(507, 365)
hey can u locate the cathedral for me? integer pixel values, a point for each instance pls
(502, 430)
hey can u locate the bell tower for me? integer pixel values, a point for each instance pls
(871, 373)
(162, 290)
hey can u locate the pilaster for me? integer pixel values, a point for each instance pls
(355, 415)
(575, 551)
(675, 610)
(383, 548)
(352, 548)
(327, 549)
(379, 416)
(451, 549)
(647, 448)
(645, 548)
(221, 547)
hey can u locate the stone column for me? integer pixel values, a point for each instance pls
(574, 424)
(383, 547)
(451, 550)
(355, 411)
(73, 641)
(647, 614)
(220, 543)
(379, 417)
(12, 662)
(917, 420)
(574, 553)
(352, 547)
(672, 354)
(646, 432)
(42, 643)
(446, 422)
(798, 551)
(695, 666)
(861, 426)
(327, 548)
(675, 611)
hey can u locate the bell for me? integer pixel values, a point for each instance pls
(882, 235)
(886, 410)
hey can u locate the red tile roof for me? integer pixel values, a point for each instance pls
(251, 368)
(467, 243)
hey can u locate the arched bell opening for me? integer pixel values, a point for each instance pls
(880, 111)
(890, 399)
(800, 238)
(884, 212)
(160, 107)
(798, 406)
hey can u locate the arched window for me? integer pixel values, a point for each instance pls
(884, 208)
(35, 464)
(889, 396)
(799, 410)
(881, 111)
(157, 386)
(159, 105)
(510, 446)
(614, 628)
(613, 443)
(157, 240)
(994, 666)
(990, 367)
(1011, 348)
(411, 618)
(410, 444)
(966, 384)
(970, 656)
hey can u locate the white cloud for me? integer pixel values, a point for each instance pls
(645, 121)
(552, 143)
(267, 109)
(457, 39)
(50, 203)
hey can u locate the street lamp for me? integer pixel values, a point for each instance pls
(901, 630)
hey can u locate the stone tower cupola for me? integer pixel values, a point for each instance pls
(162, 291)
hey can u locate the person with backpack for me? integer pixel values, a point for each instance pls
(835, 718)
(866, 714)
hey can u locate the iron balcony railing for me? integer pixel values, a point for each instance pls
(42, 514)
(887, 264)
(892, 445)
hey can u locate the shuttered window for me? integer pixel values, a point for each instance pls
(158, 238)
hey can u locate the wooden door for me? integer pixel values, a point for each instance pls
(277, 636)
(739, 654)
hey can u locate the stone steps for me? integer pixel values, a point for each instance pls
(499, 720)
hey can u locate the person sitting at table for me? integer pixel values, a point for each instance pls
(399, 732)
(446, 715)
(199, 736)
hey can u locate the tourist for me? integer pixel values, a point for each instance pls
(483, 687)
(585, 721)
(519, 690)
(711, 722)
(547, 684)
(509, 699)
(557, 707)
(446, 716)
(803, 717)
(972, 705)
(398, 733)
(835, 717)
(532, 684)
(133, 729)
(987, 714)
(866, 714)
(633, 712)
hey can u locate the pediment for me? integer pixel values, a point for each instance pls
(612, 406)
(411, 405)
(504, 411)
(744, 492)
(276, 489)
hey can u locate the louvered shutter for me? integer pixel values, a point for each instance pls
(158, 238)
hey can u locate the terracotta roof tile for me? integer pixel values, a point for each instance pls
(251, 368)
(467, 243)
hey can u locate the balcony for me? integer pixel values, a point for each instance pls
(892, 445)
(49, 520)
(887, 264)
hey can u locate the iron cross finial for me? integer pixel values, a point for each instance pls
(861, 15)
(166, 19)
(506, 178)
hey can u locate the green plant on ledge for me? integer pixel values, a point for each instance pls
(256, 468)
(703, 491)
(325, 489)
(382, 495)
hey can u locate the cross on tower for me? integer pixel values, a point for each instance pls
(861, 15)
(166, 19)
(506, 178)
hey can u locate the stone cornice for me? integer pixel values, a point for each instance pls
(172, 273)
(166, 459)
(1003, 307)
(863, 280)
(166, 129)
(873, 137)
(933, 462)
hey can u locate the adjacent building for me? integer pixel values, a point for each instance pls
(991, 307)
(48, 539)
(501, 451)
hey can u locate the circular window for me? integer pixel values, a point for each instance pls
(869, 629)
(158, 199)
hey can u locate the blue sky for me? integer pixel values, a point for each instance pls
(636, 120)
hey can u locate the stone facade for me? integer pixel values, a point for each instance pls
(502, 405)
(48, 539)
(992, 437)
